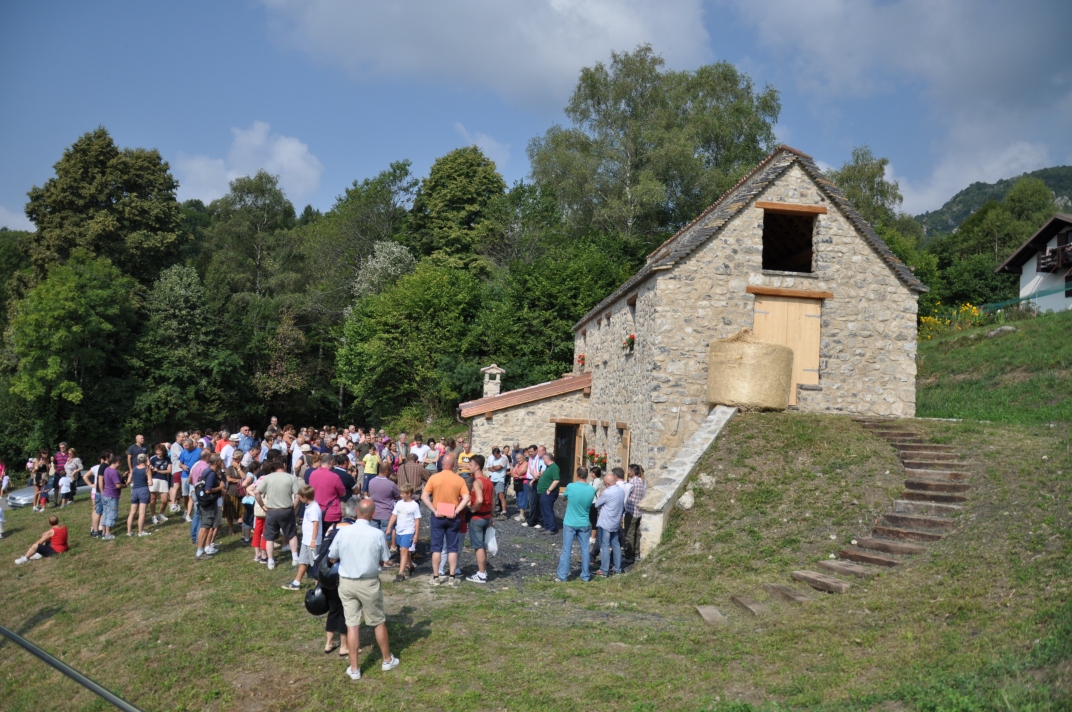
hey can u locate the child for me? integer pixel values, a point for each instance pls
(66, 497)
(5, 480)
(52, 542)
(310, 536)
(406, 524)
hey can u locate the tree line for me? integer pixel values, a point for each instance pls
(128, 311)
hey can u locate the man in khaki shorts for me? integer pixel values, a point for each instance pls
(360, 550)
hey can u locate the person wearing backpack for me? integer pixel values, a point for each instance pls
(208, 490)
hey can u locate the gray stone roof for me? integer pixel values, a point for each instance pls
(709, 222)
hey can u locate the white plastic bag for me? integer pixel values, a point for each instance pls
(490, 542)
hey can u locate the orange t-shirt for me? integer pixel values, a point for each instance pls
(446, 487)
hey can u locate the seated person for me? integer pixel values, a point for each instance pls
(52, 542)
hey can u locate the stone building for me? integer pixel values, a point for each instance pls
(782, 253)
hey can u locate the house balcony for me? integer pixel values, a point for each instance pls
(1055, 258)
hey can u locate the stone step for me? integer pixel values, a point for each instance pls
(891, 433)
(904, 506)
(928, 456)
(785, 593)
(821, 582)
(925, 447)
(930, 497)
(945, 475)
(847, 568)
(711, 615)
(869, 557)
(890, 547)
(927, 464)
(929, 485)
(747, 604)
(904, 534)
(917, 521)
(905, 442)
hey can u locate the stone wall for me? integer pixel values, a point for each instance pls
(868, 329)
(528, 424)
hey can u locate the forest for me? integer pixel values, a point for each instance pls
(127, 311)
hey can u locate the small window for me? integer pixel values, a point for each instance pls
(787, 242)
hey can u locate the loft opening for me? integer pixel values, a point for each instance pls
(789, 236)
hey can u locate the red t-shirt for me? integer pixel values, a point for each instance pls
(59, 539)
(487, 489)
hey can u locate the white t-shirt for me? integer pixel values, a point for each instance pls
(420, 451)
(498, 475)
(65, 484)
(227, 453)
(312, 515)
(408, 513)
(625, 486)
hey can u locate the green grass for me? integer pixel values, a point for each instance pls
(1024, 377)
(980, 622)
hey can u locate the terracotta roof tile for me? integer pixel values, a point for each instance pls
(521, 396)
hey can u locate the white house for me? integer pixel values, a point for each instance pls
(1044, 264)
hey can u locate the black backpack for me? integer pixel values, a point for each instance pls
(323, 571)
(202, 495)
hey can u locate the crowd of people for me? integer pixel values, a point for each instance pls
(345, 503)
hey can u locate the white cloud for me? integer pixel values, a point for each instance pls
(993, 72)
(251, 150)
(15, 220)
(529, 52)
(495, 150)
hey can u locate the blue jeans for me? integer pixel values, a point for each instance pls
(609, 540)
(195, 523)
(381, 524)
(547, 511)
(522, 498)
(568, 535)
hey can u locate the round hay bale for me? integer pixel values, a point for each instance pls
(749, 374)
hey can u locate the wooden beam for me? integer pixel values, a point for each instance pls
(605, 423)
(587, 391)
(570, 421)
(782, 292)
(791, 208)
(487, 416)
(631, 301)
(621, 426)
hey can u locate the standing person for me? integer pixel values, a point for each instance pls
(405, 526)
(66, 483)
(419, 448)
(39, 474)
(209, 511)
(196, 473)
(413, 474)
(52, 542)
(631, 532)
(5, 480)
(579, 496)
(483, 504)
(498, 468)
(247, 504)
(547, 490)
(348, 482)
(517, 474)
(96, 493)
(73, 468)
(360, 550)
(233, 476)
(371, 461)
(431, 457)
(311, 535)
(535, 471)
(174, 452)
(464, 458)
(403, 446)
(245, 439)
(160, 468)
(260, 555)
(227, 451)
(138, 479)
(112, 483)
(383, 493)
(611, 504)
(336, 619)
(329, 489)
(138, 448)
(190, 456)
(277, 494)
(447, 496)
(595, 478)
(59, 461)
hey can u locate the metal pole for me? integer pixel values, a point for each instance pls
(69, 671)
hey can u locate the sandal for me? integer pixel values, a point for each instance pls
(329, 650)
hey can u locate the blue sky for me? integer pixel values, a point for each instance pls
(323, 92)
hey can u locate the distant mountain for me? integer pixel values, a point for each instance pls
(967, 201)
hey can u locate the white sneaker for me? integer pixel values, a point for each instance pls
(130, 533)
(537, 526)
(154, 519)
(354, 674)
(21, 560)
(161, 518)
(212, 549)
(478, 578)
(187, 519)
(390, 664)
(524, 524)
(144, 533)
(36, 557)
(271, 565)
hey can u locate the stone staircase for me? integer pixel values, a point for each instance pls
(935, 489)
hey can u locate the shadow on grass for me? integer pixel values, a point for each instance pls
(32, 622)
(403, 632)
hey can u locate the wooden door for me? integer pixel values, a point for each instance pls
(792, 322)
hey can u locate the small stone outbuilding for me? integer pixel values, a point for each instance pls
(782, 253)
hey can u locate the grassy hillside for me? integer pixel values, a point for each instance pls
(1022, 377)
(979, 622)
(967, 201)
